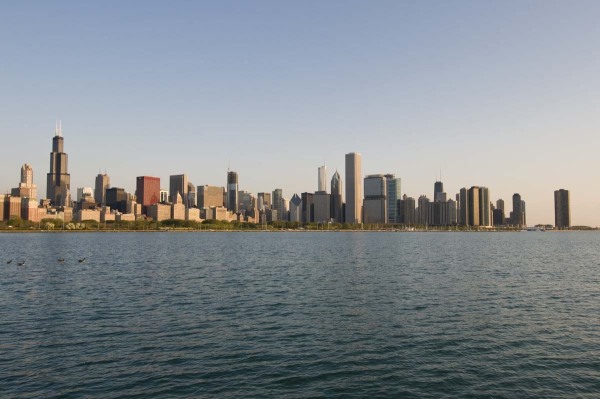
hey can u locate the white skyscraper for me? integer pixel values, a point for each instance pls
(322, 178)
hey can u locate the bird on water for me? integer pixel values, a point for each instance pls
(62, 260)
(81, 260)
(21, 263)
(9, 262)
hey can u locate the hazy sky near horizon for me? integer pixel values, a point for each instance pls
(503, 94)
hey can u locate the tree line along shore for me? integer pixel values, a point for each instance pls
(17, 224)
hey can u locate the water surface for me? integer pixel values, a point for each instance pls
(300, 315)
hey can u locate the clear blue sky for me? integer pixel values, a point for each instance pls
(500, 94)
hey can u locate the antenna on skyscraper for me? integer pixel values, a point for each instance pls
(59, 131)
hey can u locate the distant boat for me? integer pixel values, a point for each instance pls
(61, 260)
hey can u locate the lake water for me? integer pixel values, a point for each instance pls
(268, 315)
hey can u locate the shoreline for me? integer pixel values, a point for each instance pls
(23, 231)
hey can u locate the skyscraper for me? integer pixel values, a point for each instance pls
(264, 200)
(516, 216)
(26, 187)
(422, 210)
(406, 211)
(336, 198)
(354, 188)
(147, 191)
(192, 198)
(485, 212)
(393, 195)
(308, 207)
(278, 202)
(375, 203)
(83, 192)
(102, 184)
(438, 192)
(500, 204)
(210, 196)
(178, 184)
(59, 181)
(232, 191)
(463, 207)
(116, 198)
(321, 207)
(322, 178)
(473, 204)
(562, 209)
(295, 208)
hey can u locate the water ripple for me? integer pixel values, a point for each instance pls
(300, 315)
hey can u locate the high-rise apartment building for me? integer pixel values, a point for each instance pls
(58, 187)
(322, 183)
(101, 185)
(354, 189)
(337, 206)
(463, 207)
(517, 215)
(562, 209)
(232, 191)
(147, 191)
(393, 195)
(474, 207)
(178, 184)
(485, 211)
(473, 203)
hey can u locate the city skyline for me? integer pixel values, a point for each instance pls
(375, 206)
(494, 94)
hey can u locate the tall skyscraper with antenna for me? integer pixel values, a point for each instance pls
(232, 191)
(59, 181)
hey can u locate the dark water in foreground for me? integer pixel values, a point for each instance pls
(300, 315)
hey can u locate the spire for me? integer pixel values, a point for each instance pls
(58, 128)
